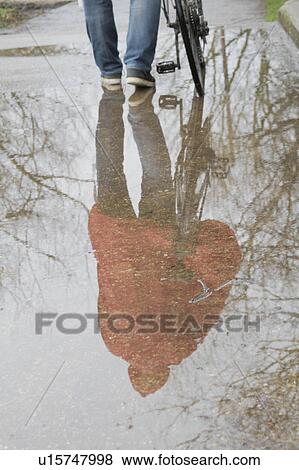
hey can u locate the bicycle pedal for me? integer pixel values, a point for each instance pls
(204, 30)
(168, 101)
(168, 66)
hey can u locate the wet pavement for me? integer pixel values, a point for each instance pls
(170, 227)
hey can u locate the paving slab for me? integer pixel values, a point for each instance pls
(289, 18)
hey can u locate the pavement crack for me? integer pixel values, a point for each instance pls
(44, 393)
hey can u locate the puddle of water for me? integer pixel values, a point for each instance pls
(171, 200)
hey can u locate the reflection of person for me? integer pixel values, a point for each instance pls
(141, 40)
(141, 269)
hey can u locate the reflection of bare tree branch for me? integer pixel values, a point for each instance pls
(203, 436)
(257, 132)
(39, 141)
(26, 244)
(38, 180)
(278, 387)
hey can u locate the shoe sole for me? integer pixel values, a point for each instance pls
(111, 81)
(112, 84)
(142, 99)
(142, 82)
(112, 87)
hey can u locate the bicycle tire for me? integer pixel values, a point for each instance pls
(192, 43)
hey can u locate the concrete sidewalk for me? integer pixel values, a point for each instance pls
(289, 18)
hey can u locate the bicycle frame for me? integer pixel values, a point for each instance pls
(192, 163)
(174, 25)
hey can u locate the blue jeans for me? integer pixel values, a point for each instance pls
(141, 37)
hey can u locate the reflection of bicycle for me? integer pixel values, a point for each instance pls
(196, 164)
(190, 23)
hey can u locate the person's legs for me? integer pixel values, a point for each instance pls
(113, 196)
(142, 34)
(158, 195)
(102, 33)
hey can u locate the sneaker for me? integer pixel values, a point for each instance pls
(141, 96)
(140, 78)
(112, 83)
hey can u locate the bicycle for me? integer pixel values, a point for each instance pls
(197, 168)
(196, 164)
(194, 29)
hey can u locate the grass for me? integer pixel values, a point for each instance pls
(8, 16)
(272, 7)
(11, 15)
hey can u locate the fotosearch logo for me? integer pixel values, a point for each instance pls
(77, 323)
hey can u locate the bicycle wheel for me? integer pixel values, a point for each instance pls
(193, 29)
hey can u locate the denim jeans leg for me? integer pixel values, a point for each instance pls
(158, 194)
(142, 34)
(102, 33)
(113, 196)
